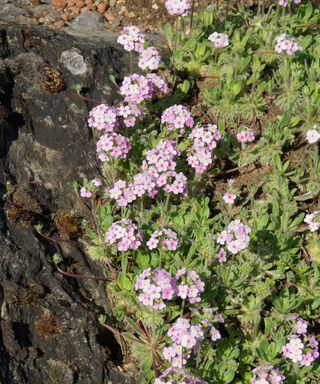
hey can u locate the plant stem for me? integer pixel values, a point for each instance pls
(191, 19)
(166, 205)
(175, 51)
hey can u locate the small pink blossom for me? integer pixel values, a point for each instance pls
(229, 198)
(313, 136)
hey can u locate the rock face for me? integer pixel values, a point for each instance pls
(48, 327)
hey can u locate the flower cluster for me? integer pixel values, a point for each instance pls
(103, 118)
(236, 237)
(313, 221)
(158, 82)
(137, 88)
(219, 40)
(178, 375)
(178, 7)
(158, 172)
(149, 59)
(284, 3)
(313, 136)
(124, 234)
(245, 137)
(185, 337)
(158, 285)
(167, 238)
(131, 39)
(90, 188)
(129, 113)
(155, 286)
(266, 374)
(205, 139)
(161, 166)
(287, 44)
(302, 349)
(112, 145)
(177, 117)
(84, 192)
(189, 285)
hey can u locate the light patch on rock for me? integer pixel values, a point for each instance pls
(74, 62)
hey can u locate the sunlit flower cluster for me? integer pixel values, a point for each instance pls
(204, 139)
(112, 145)
(158, 172)
(287, 44)
(185, 338)
(235, 237)
(189, 285)
(178, 7)
(302, 349)
(131, 39)
(313, 221)
(124, 234)
(129, 113)
(177, 117)
(186, 284)
(154, 287)
(103, 118)
(161, 166)
(219, 40)
(166, 237)
(137, 88)
(149, 59)
(266, 374)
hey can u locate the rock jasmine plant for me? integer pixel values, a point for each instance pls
(214, 281)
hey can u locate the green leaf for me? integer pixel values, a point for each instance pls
(124, 282)
(168, 34)
(236, 89)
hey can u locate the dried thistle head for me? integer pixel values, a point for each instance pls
(46, 325)
(67, 224)
(52, 80)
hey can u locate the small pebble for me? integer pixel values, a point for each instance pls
(59, 3)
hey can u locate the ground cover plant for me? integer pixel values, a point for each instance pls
(206, 211)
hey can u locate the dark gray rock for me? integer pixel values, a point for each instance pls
(48, 327)
(52, 143)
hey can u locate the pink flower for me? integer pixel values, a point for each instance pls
(219, 40)
(97, 182)
(103, 117)
(246, 136)
(313, 136)
(149, 59)
(229, 198)
(124, 235)
(131, 39)
(222, 256)
(177, 117)
(287, 44)
(85, 192)
(178, 7)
